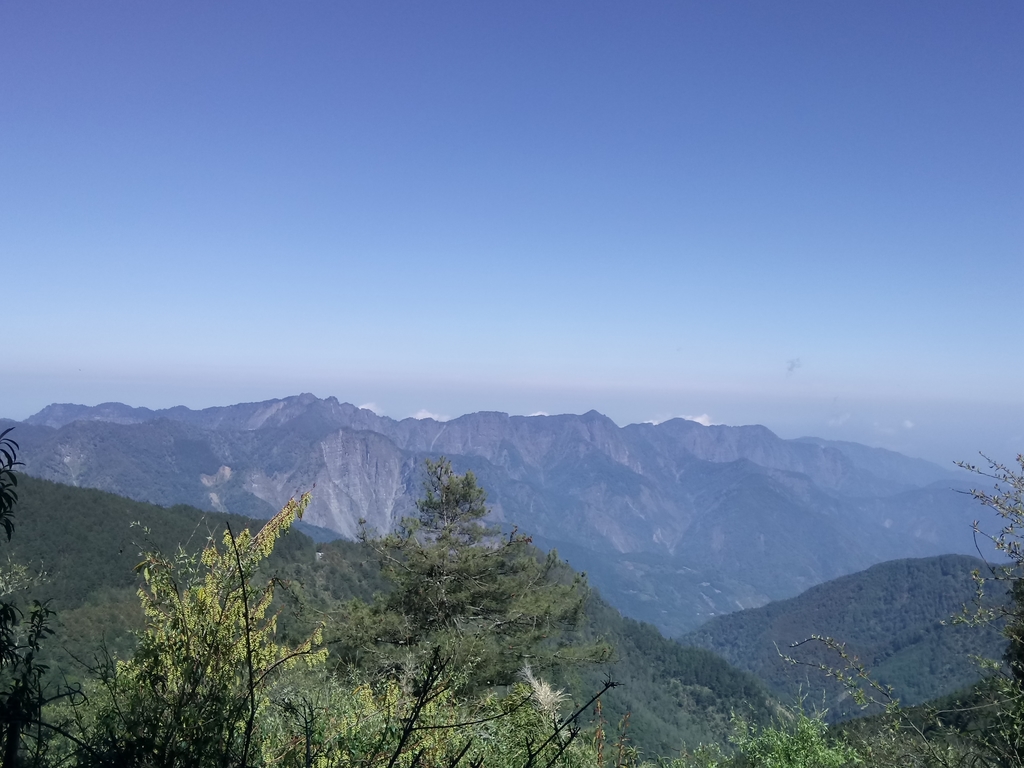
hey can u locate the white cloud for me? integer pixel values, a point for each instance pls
(702, 419)
(838, 421)
(371, 407)
(540, 413)
(422, 413)
(908, 424)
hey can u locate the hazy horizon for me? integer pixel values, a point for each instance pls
(943, 439)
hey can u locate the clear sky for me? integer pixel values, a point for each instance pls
(804, 214)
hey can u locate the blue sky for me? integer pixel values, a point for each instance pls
(806, 215)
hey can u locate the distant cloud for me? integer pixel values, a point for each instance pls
(702, 419)
(885, 429)
(371, 407)
(838, 421)
(540, 413)
(425, 414)
(792, 365)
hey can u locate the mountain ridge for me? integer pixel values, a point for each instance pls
(644, 505)
(412, 433)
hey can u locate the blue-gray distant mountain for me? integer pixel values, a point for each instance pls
(675, 522)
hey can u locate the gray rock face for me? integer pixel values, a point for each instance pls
(675, 522)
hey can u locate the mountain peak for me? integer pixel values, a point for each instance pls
(57, 415)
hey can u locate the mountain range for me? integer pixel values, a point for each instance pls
(675, 522)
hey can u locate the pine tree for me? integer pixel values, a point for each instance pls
(488, 598)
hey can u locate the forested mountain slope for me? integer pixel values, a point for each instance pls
(675, 522)
(87, 543)
(895, 617)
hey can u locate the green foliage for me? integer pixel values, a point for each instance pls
(21, 670)
(1002, 741)
(209, 685)
(8, 481)
(85, 541)
(21, 675)
(894, 617)
(676, 696)
(488, 598)
(209, 682)
(420, 720)
(88, 542)
(805, 744)
(200, 677)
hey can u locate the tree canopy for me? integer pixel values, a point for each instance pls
(488, 597)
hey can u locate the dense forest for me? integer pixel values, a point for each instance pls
(895, 616)
(131, 634)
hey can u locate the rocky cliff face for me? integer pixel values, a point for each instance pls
(675, 522)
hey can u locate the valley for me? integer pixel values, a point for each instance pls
(675, 523)
(731, 540)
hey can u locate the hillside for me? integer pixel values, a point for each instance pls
(87, 543)
(890, 616)
(675, 522)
